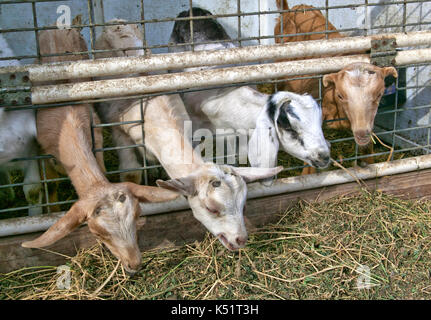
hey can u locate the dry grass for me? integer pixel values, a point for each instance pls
(313, 252)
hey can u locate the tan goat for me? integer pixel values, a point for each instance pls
(110, 210)
(352, 94)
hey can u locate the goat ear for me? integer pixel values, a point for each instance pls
(150, 194)
(389, 71)
(329, 78)
(184, 186)
(250, 174)
(263, 144)
(65, 225)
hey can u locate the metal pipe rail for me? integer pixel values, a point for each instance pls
(172, 61)
(211, 77)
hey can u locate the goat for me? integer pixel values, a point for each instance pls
(204, 30)
(353, 93)
(311, 21)
(294, 121)
(18, 140)
(120, 37)
(110, 210)
(216, 193)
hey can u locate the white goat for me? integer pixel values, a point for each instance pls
(18, 140)
(216, 193)
(294, 121)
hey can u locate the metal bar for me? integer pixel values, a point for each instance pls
(293, 50)
(98, 16)
(183, 80)
(266, 81)
(238, 12)
(92, 28)
(36, 34)
(144, 153)
(326, 19)
(395, 115)
(206, 42)
(45, 184)
(366, 22)
(144, 35)
(176, 81)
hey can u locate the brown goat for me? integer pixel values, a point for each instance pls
(299, 22)
(110, 210)
(352, 94)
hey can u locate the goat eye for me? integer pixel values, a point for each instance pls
(97, 211)
(340, 96)
(122, 198)
(216, 184)
(214, 212)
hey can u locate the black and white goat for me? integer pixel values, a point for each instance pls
(18, 140)
(284, 118)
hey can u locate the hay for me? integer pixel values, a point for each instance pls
(315, 251)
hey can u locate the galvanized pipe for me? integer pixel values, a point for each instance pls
(172, 61)
(15, 226)
(177, 81)
(205, 78)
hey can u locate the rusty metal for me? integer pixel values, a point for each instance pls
(383, 51)
(15, 88)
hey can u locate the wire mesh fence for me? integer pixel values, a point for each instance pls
(402, 122)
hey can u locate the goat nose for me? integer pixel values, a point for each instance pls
(130, 273)
(133, 263)
(362, 137)
(324, 156)
(362, 133)
(131, 268)
(241, 241)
